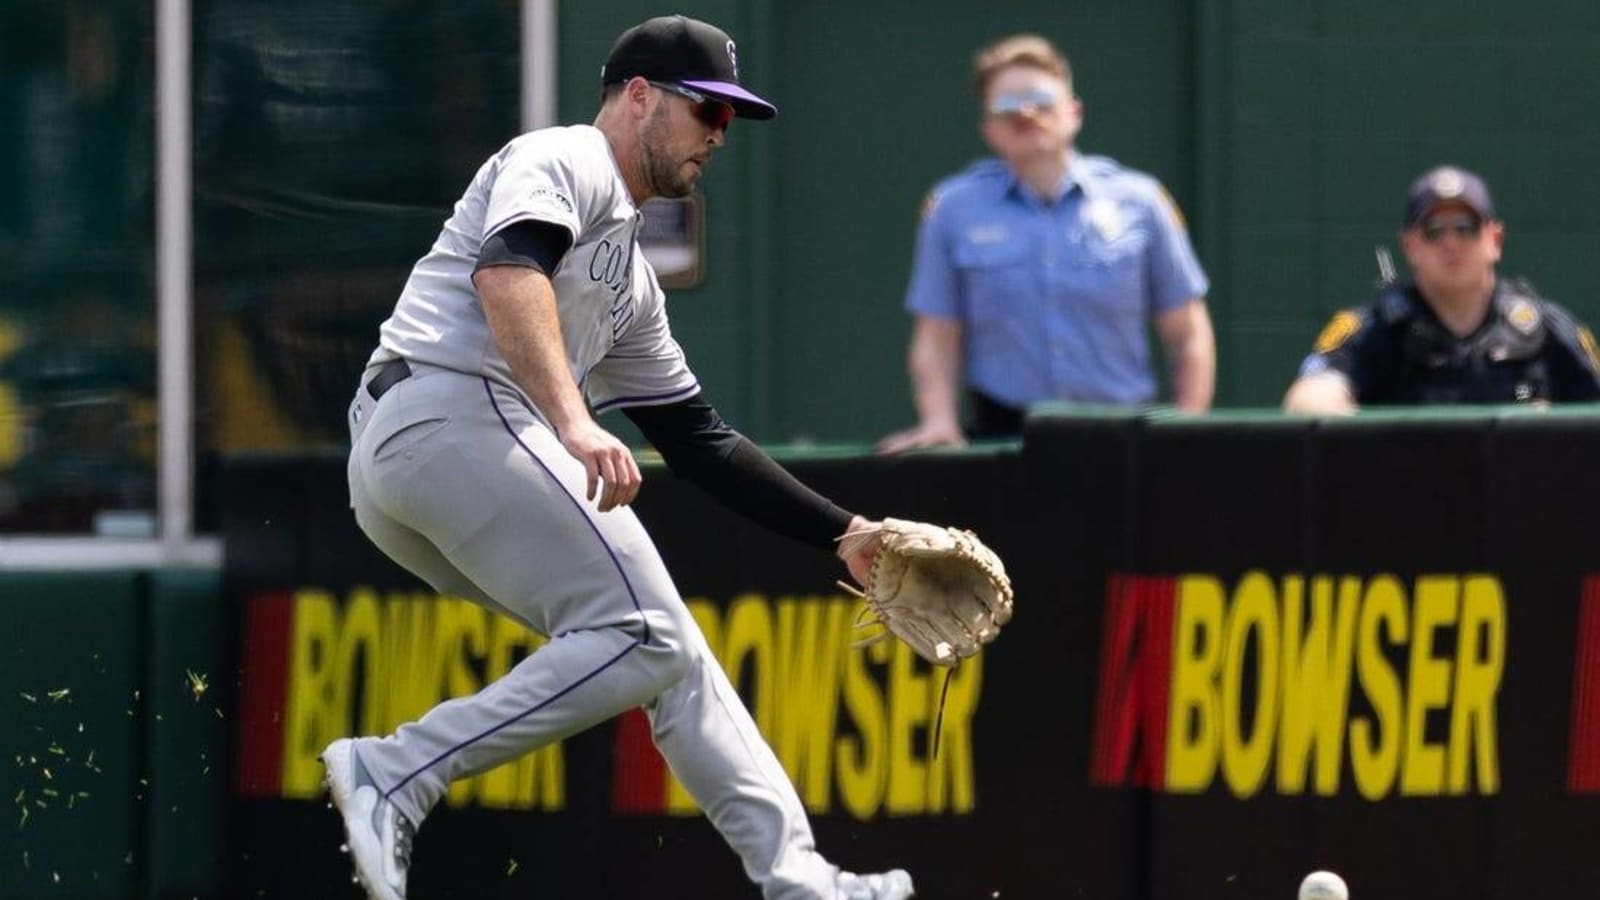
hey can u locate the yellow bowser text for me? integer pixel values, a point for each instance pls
(1276, 685)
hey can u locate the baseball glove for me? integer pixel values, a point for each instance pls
(941, 590)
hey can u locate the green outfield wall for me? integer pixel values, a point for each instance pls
(1287, 132)
(115, 691)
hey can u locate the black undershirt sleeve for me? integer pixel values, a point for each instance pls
(531, 243)
(701, 448)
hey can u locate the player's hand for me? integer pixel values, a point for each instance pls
(605, 460)
(927, 434)
(858, 546)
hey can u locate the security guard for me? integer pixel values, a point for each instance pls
(1459, 334)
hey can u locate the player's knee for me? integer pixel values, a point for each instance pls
(667, 647)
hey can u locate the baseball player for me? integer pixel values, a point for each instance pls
(477, 464)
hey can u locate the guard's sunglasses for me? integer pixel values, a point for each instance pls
(714, 113)
(1465, 227)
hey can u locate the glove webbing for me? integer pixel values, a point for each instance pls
(885, 634)
(938, 719)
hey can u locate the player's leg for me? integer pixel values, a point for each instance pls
(506, 510)
(501, 503)
(712, 744)
(378, 835)
(715, 749)
(699, 721)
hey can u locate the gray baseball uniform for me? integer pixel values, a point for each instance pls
(457, 476)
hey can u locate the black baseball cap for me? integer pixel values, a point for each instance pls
(1447, 184)
(688, 52)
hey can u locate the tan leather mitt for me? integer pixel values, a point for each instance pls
(939, 589)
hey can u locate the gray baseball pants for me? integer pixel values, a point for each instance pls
(459, 481)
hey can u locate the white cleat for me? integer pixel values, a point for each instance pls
(378, 836)
(894, 884)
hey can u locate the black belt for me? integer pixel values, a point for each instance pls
(990, 418)
(389, 374)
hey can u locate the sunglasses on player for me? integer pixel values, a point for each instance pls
(712, 112)
(1465, 227)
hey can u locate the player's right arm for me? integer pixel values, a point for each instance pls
(520, 303)
(534, 217)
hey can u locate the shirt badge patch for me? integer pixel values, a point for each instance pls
(1339, 329)
(1523, 316)
(1107, 219)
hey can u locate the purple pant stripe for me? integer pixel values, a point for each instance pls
(511, 721)
(632, 595)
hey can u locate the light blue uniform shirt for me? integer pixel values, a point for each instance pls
(1054, 298)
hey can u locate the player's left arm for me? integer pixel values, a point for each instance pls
(1574, 357)
(701, 448)
(1178, 286)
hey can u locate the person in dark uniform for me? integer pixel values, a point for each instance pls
(1459, 333)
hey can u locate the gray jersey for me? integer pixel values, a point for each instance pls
(612, 309)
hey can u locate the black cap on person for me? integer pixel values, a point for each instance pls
(688, 52)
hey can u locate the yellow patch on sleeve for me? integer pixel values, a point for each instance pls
(929, 204)
(1339, 329)
(1172, 207)
(1586, 340)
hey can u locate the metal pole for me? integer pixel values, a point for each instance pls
(539, 28)
(174, 279)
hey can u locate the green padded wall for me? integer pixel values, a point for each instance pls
(76, 716)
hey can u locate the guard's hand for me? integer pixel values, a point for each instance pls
(605, 460)
(927, 434)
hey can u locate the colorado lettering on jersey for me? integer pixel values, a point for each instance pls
(610, 265)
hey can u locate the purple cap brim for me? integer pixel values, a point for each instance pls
(745, 104)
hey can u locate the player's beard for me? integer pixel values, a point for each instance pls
(664, 173)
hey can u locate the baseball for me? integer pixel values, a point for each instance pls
(1323, 886)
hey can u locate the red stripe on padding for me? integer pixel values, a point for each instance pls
(264, 661)
(1160, 604)
(639, 776)
(1114, 717)
(1130, 730)
(1583, 756)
